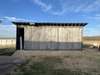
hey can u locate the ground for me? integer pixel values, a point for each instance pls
(85, 62)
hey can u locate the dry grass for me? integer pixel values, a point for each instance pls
(73, 63)
(7, 51)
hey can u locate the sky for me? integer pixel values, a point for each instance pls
(87, 11)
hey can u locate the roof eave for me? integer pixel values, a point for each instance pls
(50, 24)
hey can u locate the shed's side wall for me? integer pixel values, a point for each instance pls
(52, 37)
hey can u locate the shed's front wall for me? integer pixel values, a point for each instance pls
(52, 37)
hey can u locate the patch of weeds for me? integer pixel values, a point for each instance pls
(52, 60)
(7, 51)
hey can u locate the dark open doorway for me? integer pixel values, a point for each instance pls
(20, 38)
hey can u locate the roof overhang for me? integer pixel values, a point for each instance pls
(49, 24)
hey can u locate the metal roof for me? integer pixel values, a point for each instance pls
(50, 24)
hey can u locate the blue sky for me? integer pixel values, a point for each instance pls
(50, 11)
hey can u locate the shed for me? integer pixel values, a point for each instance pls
(49, 36)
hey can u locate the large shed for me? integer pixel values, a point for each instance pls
(49, 36)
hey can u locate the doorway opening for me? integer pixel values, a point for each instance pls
(20, 38)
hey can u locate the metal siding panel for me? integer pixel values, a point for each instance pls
(53, 38)
(43, 38)
(49, 37)
(27, 38)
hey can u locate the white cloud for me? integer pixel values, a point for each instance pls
(10, 18)
(14, 19)
(69, 6)
(93, 6)
(87, 7)
(48, 7)
(93, 17)
(97, 16)
(58, 13)
(43, 5)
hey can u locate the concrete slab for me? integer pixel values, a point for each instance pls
(30, 53)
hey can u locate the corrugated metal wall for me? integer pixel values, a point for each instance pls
(52, 37)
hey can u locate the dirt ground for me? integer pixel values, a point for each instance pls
(85, 62)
